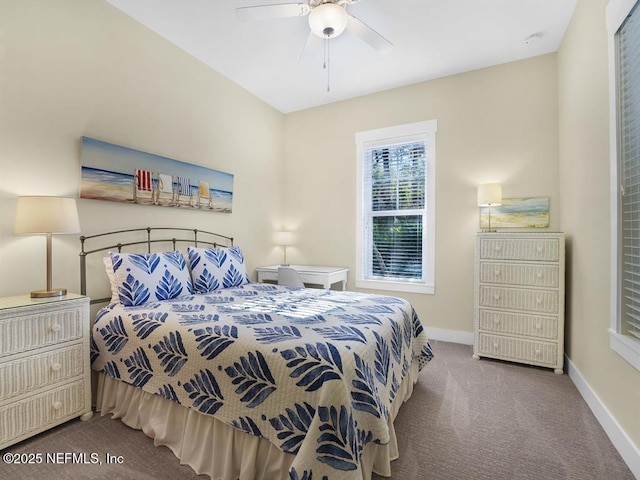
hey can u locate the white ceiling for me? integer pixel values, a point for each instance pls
(431, 38)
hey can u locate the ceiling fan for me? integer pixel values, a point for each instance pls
(327, 19)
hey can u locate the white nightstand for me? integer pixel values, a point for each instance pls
(45, 366)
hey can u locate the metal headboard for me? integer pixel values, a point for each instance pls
(173, 235)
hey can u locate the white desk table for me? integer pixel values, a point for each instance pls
(311, 274)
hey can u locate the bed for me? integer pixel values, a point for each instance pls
(248, 380)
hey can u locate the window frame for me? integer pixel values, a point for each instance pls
(399, 134)
(624, 345)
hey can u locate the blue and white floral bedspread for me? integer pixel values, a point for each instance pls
(313, 371)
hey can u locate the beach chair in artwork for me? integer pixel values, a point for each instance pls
(143, 189)
(165, 191)
(184, 197)
(204, 195)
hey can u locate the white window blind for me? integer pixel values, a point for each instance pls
(395, 233)
(628, 48)
(395, 186)
(624, 90)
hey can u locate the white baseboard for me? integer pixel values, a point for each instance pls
(453, 336)
(621, 441)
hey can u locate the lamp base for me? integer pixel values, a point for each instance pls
(56, 292)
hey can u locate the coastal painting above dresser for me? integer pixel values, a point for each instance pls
(519, 298)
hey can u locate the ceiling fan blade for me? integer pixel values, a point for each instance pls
(267, 12)
(368, 35)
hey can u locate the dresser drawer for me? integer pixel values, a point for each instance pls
(518, 324)
(37, 371)
(526, 249)
(516, 349)
(539, 301)
(21, 333)
(528, 275)
(39, 412)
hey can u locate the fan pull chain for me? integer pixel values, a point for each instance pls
(326, 60)
(328, 64)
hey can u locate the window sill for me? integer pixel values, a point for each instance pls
(626, 347)
(408, 287)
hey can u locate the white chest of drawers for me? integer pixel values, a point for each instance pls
(519, 298)
(45, 376)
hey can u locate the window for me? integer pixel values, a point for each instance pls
(395, 220)
(623, 23)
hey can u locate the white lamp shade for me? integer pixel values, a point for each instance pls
(39, 214)
(328, 16)
(284, 238)
(489, 194)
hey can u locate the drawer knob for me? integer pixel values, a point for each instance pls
(56, 327)
(538, 326)
(498, 248)
(539, 275)
(496, 296)
(539, 249)
(57, 405)
(497, 272)
(56, 366)
(496, 320)
(537, 352)
(495, 345)
(538, 300)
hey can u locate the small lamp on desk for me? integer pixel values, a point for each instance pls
(284, 239)
(489, 195)
(46, 215)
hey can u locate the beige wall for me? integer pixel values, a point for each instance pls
(585, 213)
(496, 124)
(74, 68)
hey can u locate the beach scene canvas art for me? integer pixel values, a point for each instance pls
(121, 174)
(524, 212)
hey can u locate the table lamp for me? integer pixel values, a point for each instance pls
(284, 239)
(48, 215)
(489, 195)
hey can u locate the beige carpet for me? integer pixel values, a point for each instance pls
(466, 420)
(486, 419)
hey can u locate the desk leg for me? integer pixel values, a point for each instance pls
(344, 285)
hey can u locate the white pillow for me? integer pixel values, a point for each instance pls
(149, 277)
(215, 268)
(108, 266)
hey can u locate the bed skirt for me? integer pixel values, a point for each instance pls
(216, 449)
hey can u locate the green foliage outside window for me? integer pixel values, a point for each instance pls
(398, 190)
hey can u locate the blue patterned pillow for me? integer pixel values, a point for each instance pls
(215, 268)
(149, 277)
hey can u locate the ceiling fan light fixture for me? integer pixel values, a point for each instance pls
(328, 20)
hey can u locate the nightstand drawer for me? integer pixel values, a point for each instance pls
(539, 301)
(518, 324)
(526, 249)
(527, 275)
(516, 349)
(26, 417)
(21, 333)
(38, 371)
